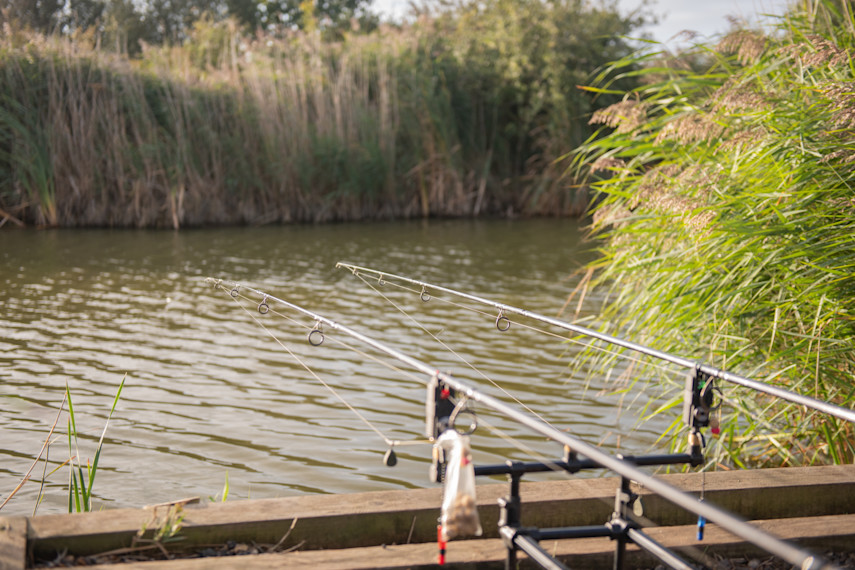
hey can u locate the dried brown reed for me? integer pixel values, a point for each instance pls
(748, 45)
(231, 129)
(624, 116)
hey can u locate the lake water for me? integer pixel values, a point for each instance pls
(212, 392)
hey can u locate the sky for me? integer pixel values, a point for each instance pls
(707, 17)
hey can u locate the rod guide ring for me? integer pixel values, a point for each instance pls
(503, 323)
(316, 335)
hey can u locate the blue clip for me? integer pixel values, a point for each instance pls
(701, 524)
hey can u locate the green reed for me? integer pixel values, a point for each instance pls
(728, 224)
(82, 480)
(28, 154)
(457, 114)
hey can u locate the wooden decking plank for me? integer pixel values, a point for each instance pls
(372, 519)
(768, 493)
(836, 531)
(13, 543)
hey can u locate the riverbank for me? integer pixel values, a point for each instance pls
(418, 120)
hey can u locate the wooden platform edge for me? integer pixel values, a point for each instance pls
(400, 517)
(820, 533)
(13, 543)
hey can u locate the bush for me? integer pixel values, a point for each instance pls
(728, 228)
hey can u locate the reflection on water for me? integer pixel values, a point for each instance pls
(210, 394)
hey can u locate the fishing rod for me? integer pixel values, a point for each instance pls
(626, 469)
(502, 323)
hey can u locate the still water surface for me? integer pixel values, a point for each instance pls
(210, 395)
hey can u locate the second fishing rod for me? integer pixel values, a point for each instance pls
(503, 323)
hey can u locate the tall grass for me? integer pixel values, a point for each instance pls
(728, 219)
(80, 481)
(457, 114)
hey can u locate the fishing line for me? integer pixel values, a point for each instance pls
(634, 359)
(469, 308)
(474, 368)
(409, 375)
(452, 351)
(390, 442)
(422, 294)
(521, 446)
(265, 308)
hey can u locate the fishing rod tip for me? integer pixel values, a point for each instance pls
(345, 265)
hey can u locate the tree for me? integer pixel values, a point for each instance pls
(171, 20)
(39, 15)
(276, 14)
(83, 15)
(124, 28)
(127, 22)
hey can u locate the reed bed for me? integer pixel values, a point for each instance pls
(454, 115)
(728, 220)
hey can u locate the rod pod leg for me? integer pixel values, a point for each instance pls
(509, 517)
(620, 523)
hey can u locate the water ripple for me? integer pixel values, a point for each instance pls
(209, 394)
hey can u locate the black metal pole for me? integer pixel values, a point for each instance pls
(589, 531)
(536, 553)
(581, 464)
(510, 516)
(620, 516)
(657, 550)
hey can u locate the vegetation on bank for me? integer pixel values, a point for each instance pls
(460, 113)
(127, 25)
(80, 482)
(728, 224)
